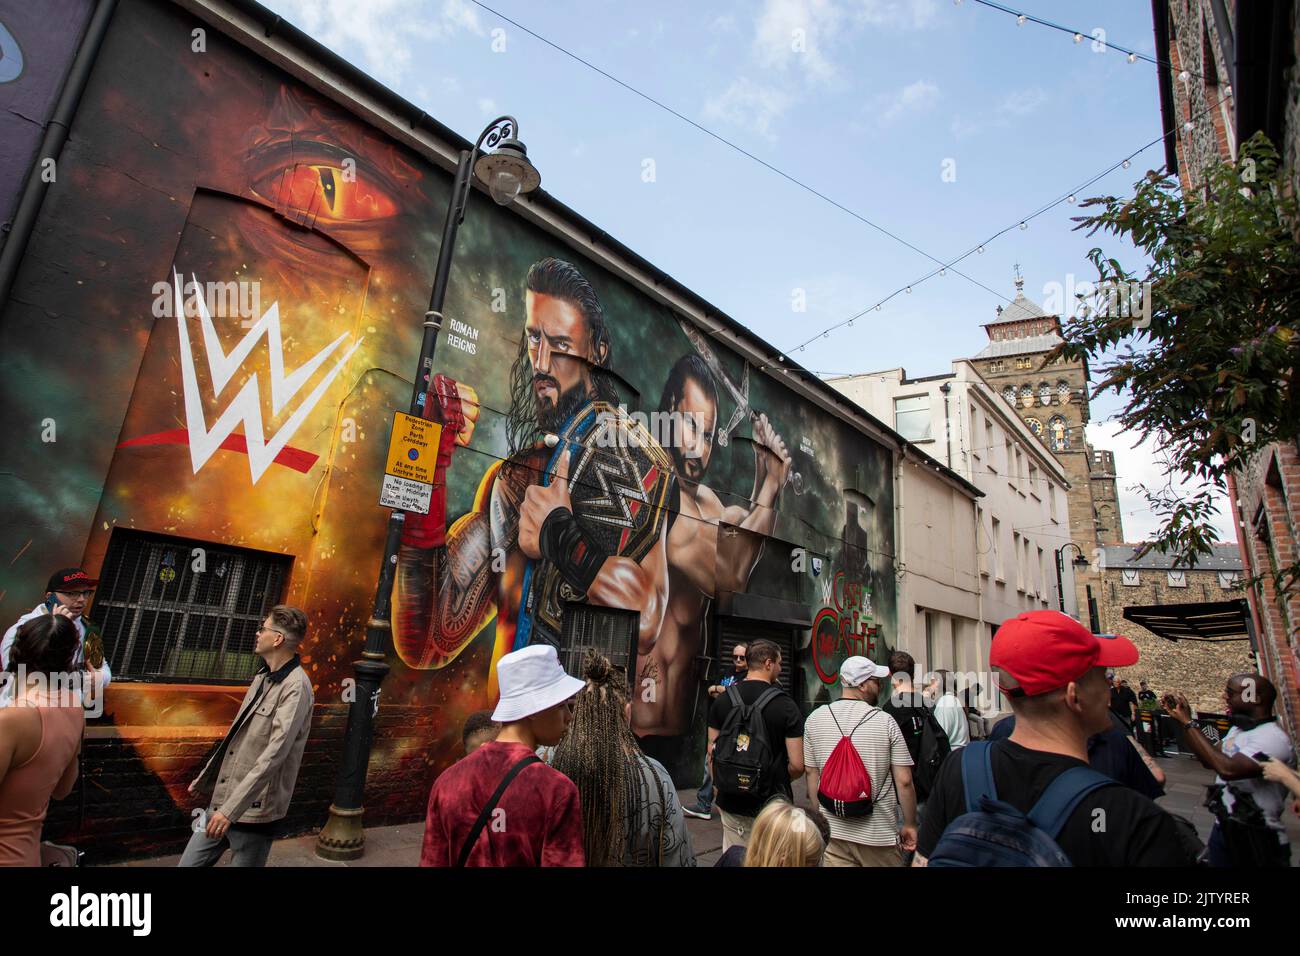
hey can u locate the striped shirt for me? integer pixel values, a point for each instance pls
(880, 744)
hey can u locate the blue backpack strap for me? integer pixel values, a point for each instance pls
(977, 773)
(1062, 796)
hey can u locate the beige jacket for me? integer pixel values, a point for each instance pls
(252, 774)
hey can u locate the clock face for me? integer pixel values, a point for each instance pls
(1035, 426)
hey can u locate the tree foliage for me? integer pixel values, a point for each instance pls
(1207, 357)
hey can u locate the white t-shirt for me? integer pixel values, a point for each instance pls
(952, 718)
(1271, 797)
(881, 746)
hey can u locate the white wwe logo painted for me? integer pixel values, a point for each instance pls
(246, 406)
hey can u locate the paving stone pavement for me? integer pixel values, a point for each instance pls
(400, 845)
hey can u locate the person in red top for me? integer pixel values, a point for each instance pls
(501, 806)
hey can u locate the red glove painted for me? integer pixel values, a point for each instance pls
(430, 531)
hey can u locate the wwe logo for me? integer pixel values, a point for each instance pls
(246, 406)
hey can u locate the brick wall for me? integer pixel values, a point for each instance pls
(1198, 669)
(132, 809)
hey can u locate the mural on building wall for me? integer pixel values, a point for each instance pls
(265, 317)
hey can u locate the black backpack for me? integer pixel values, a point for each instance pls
(743, 760)
(930, 755)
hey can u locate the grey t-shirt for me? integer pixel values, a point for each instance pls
(657, 815)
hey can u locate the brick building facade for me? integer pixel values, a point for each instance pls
(1232, 72)
(1197, 669)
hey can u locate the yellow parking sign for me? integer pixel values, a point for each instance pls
(413, 448)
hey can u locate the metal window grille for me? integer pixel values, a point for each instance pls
(172, 609)
(610, 631)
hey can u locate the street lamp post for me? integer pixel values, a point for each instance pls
(506, 172)
(1079, 563)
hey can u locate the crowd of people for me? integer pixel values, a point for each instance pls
(555, 776)
(895, 775)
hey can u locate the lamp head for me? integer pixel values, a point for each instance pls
(507, 172)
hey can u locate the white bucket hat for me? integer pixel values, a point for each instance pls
(531, 680)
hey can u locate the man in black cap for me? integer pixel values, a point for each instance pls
(68, 593)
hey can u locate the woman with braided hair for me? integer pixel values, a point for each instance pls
(631, 815)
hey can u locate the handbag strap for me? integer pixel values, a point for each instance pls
(491, 805)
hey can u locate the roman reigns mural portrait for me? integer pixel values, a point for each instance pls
(578, 510)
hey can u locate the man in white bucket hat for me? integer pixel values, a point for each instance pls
(501, 806)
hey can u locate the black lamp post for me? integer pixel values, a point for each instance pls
(1079, 563)
(506, 172)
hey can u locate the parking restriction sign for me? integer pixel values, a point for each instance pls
(412, 454)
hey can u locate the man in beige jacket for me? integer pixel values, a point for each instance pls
(252, 773)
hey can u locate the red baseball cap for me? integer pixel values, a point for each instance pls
(1044, 650)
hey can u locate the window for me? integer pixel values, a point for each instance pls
(1020, 470)
(912, 417)
(1229, 579)
(173, 609)
(1130, 578)
(1051, 501)
(1015, 557)
(610, 631)
(931, 631)
(1042, 573)
(1033, 480)
(1178, 579)
(1010, 459)
(988, 442)
(975, 430)
(993, 549)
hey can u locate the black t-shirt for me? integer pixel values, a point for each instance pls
(1132, 831)
(782, 719)
(910, 714)
(1120, 698)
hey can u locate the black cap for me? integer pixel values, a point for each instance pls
(68, 578)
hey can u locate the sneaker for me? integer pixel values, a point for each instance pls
(700, 813)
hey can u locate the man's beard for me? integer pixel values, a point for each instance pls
(552, 418)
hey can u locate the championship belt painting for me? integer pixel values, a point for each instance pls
(620, 480)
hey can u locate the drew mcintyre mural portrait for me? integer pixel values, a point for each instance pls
(676, 476)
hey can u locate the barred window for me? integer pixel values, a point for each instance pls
(610, 631)
(173, 609)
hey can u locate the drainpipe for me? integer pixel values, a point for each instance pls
(946, 387)
(900, 544)
(56, 134)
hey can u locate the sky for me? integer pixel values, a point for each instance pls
(941, 123)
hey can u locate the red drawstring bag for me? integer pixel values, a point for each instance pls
(845, 785)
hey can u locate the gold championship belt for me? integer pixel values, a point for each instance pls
(620, 480)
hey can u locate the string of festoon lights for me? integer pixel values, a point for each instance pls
(1078, 36)
(1070, 198)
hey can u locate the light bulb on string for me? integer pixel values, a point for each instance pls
(909, 290)
(943, 272)
(1024, 225)
(980, 250)
(1127, 164)
(1021, 19)
(1070, 199)
(1132, 57)
(1078, 38)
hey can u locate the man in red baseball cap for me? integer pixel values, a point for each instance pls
(1052, 670)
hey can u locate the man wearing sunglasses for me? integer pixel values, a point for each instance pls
(68, 593)
(252, 773)
(703, 808)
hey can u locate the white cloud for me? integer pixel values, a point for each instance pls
(382, 30)
(487, 106)
(1143, 465)
(1017, 103)
(794, 33)
(1022, 102)
(914, 98)
(747, 104)
(906, 14)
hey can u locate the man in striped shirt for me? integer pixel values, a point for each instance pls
(874, 839)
